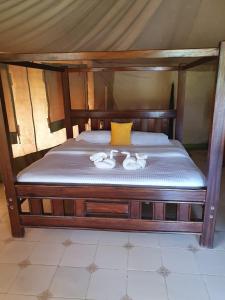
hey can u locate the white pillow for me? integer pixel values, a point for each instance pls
(149, 138)
(137, 137)
(95, 136)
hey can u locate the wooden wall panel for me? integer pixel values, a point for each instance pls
(54, 93)
(78, 90)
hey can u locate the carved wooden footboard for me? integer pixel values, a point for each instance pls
(112, 207)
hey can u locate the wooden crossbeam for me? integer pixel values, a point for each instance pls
(104, 55)
(200, 61)
(33, 65)
(123, 68)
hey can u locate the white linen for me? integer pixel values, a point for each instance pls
(134, 163)
(167, 166)
(149, 138)
(137, 137)
(102, 161)
(95, 136)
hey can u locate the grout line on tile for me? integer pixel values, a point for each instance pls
(164, 278)
(205, 284)
(91, 274)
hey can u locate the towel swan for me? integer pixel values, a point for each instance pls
(98, 156)
(141, 159)
(131, 163)
(102, 162)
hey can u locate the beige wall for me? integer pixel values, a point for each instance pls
(144, 90)
(198, 106)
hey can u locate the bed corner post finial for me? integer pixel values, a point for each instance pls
(216, 149)
(7, 170)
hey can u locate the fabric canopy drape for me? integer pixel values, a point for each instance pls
(75, 25)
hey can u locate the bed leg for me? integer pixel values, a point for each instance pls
(18, 232)
(216, 149)
(17, 229)
(207, 236)
(7, 169)
(206, 240)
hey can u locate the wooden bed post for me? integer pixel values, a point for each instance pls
(180, 105)
(6, 164)
(216, 149)
(68, 205)
(67, 104)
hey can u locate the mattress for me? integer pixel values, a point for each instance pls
(167, 166)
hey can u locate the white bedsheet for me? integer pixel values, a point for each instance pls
(167, 166)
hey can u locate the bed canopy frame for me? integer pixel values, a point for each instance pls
(119, 207)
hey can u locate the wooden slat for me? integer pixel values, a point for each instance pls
(183, 212)
(101, 55)
(129, 114)
(158, 125)
(159, 211)
(103, 207)
(33, 65)
(110, 223)
(80, 208)
(94, 124)
(107, 124)
(81, 125)
(136, 124)
(151, 125)
(165, 126)
(68, 207)
(111, 192)
(57, 207)
(36, 206)
(144, 125)
(135, 209)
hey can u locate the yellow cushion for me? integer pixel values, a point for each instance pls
(121, 133)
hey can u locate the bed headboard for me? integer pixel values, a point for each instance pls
(143, 120)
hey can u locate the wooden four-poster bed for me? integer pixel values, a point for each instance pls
(119, 207)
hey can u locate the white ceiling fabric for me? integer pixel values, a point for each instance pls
(75, 25)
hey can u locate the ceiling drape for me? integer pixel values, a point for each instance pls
(75, 25)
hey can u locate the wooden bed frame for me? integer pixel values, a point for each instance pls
(119, 207)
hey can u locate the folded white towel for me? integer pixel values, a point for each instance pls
(98, 156)
(101, 160)
(132, 163)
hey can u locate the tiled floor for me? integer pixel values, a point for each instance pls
(52, 264)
